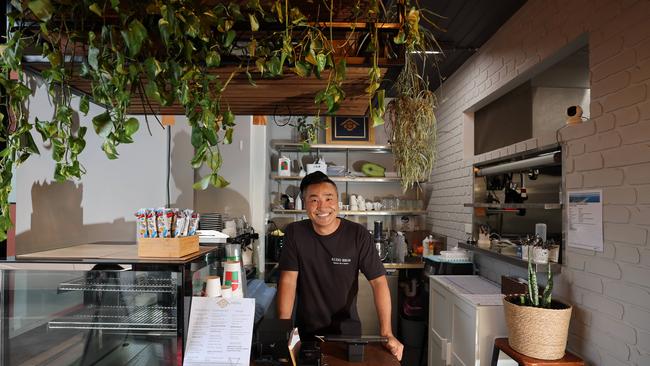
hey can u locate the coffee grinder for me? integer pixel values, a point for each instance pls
(381, 243)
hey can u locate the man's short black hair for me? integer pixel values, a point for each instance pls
(316, 177)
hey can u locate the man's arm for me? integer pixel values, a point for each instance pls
(287, 293)
(382, 303)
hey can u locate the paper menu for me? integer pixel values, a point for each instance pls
(220, 332)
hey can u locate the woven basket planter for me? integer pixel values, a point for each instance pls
(537, 332)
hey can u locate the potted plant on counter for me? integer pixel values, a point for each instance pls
(538, 326)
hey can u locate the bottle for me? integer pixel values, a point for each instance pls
(298, 203)
(425, 247)
(432, 246)
(400, 244)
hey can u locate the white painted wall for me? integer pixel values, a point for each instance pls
(100, 206)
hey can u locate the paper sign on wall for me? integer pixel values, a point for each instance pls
(220, 332)
(585, 216)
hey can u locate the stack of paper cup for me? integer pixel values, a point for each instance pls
(226, 291)
(213, 286)
(232, 276)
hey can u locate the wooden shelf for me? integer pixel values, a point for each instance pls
(295, 146)
(359, 213)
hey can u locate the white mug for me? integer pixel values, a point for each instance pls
(369, 206)
(377, 206)
(353, 200)
(354, 208)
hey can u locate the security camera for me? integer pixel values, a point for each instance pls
(574, 113)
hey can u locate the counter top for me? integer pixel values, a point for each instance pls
(407, 265)
(474, 289)
(105, 252)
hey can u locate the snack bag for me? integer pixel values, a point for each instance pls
(152, 231)
(141, 223)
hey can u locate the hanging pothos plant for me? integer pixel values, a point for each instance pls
(163, 51)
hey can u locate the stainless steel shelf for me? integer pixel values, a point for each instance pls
(144, 318)
(555, 267)
(545, 206)
(345, 179)
(141, 284)
(295, 146)
(360, 213)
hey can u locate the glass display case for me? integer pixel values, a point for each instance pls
(113, 310)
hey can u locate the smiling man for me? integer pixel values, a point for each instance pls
(320, 263)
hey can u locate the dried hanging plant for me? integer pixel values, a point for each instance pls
(412, 126)
(411, 119)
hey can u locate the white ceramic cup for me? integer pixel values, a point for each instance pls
(377, 206)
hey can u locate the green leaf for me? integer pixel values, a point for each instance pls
(102, 124)
(210, 135)
(197, 137)
(213, 59)
(134, 36)
(214, 161)
(84, 105)
(377, 119)
(400, 38)
(302, 69)
(28, 143)
(228, 136)
(203, 183)
(131, 126)
(96, 9)
(229, 37)
(115, 4)
(77, 145)
(218, 181)
(152, 67)
(228, 118)
(93, 54)
(43, 9)
(109, 148)
(321, 61)
(164, 28)
(255, 25)
(199, 156)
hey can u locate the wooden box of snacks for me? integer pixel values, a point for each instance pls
(168, 247)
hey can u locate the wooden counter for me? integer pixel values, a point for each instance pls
(336, 354)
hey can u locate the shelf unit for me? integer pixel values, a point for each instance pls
(287, 146)
(555, 267)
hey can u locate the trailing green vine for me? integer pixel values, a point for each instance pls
(162, 52)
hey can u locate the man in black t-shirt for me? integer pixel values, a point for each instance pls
(320, 263)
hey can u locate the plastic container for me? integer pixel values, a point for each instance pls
(284, 166)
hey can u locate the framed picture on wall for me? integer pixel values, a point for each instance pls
(349, 130)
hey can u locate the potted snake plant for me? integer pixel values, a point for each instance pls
(538, 325)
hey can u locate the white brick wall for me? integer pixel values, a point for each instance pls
(610, 290)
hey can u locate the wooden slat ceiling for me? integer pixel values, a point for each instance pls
(289, 95)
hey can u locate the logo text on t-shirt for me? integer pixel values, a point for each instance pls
(336, 260)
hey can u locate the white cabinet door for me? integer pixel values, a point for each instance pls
(440, 301)
(463, 333)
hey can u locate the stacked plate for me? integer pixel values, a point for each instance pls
(211, 221)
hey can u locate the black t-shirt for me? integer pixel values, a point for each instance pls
(328, 268)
